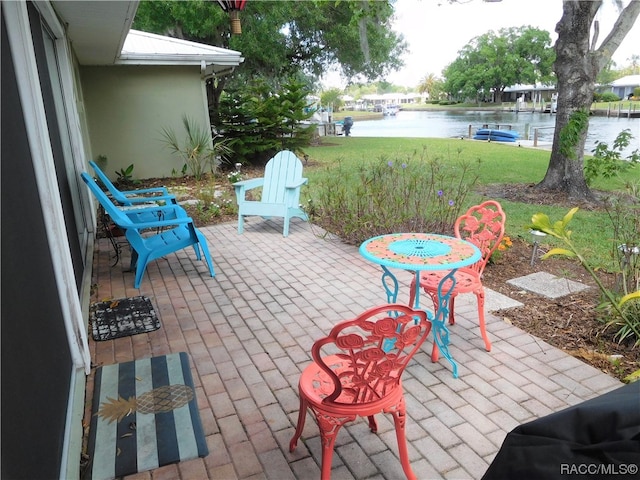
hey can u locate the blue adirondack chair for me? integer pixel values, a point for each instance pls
(179, 233)
(133, 197)
(280, 191)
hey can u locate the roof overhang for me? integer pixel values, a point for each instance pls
(143, 48)
(97, 29)
(628, 81)
(100, 34)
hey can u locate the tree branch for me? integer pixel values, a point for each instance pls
(596, 32)
(621, 28)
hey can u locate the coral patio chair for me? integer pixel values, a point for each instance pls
(280, 195)
(356, 371)
(172, 234)
(482, 225)
(133, 197)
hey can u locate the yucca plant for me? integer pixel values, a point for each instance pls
(198, 152)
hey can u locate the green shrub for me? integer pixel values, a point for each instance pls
(608, 162)
(125, 177)
(259, 121)
(605, 97)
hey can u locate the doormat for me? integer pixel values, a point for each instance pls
(144, 415)
(122, 317)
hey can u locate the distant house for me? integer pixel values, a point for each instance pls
(624, 86)
(537, 93)
(371, 101)
(69, 93)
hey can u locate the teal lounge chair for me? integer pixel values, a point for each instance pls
(133, 197)
(280, 191)
(178, 233)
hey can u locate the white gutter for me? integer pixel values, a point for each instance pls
(167, 59)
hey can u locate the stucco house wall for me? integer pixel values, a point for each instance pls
(126, 122)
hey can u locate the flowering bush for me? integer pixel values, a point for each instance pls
(505, 244)
(234, 176)
(212, 203)
(416, 194)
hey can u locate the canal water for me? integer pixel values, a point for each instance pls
(452, 124)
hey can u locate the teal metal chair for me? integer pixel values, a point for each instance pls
(133, 197)
(178, 233)
(280, 195)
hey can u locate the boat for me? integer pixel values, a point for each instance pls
(390, 110)
(496, 135)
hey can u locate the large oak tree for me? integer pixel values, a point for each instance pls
(494, 61)
(577, 66)
(285, 39)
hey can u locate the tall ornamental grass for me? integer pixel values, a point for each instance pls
(357, 201)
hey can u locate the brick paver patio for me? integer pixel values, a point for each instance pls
(249, 332)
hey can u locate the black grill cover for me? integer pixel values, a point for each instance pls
(599, 438)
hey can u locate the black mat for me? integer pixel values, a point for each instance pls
(122, 317)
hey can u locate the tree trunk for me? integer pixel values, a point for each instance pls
(577, 66)
(214, 88)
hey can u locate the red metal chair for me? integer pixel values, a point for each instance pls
(356, 371)
(482, 225)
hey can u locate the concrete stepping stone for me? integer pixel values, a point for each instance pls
(547, 285)
(493, 301)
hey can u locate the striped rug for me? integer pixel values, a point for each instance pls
(144, 415)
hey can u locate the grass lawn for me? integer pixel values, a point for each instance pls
(499, 164)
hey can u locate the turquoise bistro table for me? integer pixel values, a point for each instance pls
(417, 252)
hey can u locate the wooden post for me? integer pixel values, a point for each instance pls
(535, 137)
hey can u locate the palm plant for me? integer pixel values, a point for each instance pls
(198, 152)
(431, 85)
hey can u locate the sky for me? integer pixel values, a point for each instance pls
(436, 30)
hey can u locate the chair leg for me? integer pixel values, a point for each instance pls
(133, 261)
(329, 427)
(483, 328)
(302, 416)
(202, 244)
(285, 231)
(435, 353)
(140, 269)
(240, 223)
(399, 418)
(452, 301)
(434, 349)
(373, 425)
